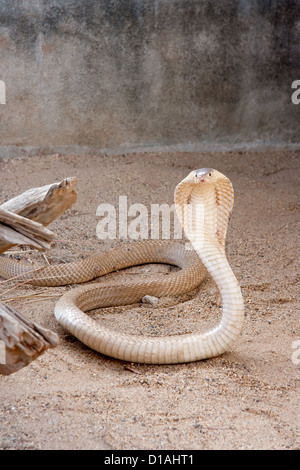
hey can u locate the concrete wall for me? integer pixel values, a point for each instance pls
(126, 74)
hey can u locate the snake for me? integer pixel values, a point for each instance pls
(203, 203)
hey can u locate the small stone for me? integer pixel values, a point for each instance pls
(148, 299)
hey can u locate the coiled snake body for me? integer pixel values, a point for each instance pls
(203, 201)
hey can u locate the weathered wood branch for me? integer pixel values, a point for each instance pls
(21, 340)
(22, 221)
(42, 205)
(17, 230)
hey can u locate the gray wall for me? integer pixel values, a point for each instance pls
(128, 74)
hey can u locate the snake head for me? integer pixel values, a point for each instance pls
(204, 175)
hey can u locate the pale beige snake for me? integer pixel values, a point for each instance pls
(203, 201)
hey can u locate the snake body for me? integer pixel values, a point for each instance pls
(203, 201)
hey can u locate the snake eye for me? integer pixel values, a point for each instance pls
(209, 174)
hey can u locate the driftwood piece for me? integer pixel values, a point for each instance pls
(17, 230)
(42, 204)
(21, 340)
(22, 221)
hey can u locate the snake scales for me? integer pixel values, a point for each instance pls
(210, 192)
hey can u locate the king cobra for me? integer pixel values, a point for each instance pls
(203, 202)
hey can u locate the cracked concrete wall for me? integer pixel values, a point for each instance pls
(128, 74)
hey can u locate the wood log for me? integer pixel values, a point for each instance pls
(15, 229)
(43, 204)
(21, 340)
(22, 221)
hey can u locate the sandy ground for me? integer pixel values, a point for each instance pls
(248, 398)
